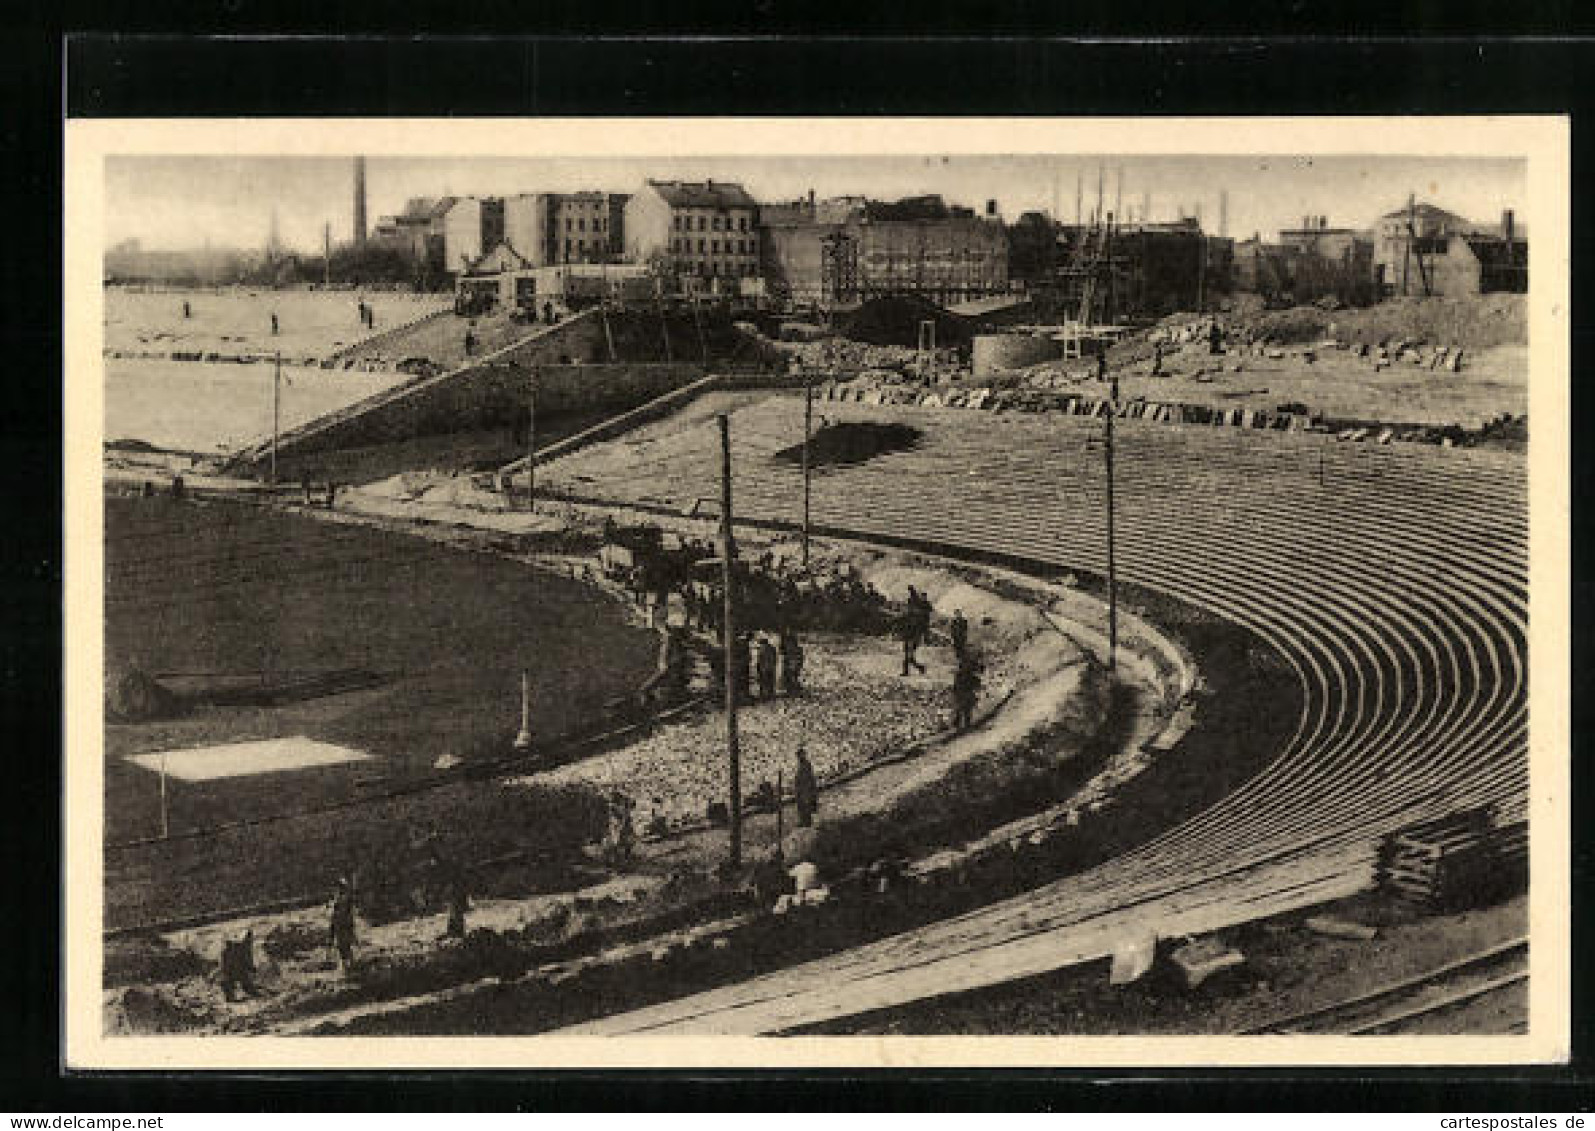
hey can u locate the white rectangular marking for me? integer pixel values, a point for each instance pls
(266, 756)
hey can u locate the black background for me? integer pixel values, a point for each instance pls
(935, 59)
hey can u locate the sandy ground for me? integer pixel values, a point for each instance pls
(195, 406)
(310, 323)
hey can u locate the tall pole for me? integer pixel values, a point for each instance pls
(1113, 575)
(165, 828)
(523, 740)
(276, 414)
(727, 552)
(531, 444)
(808, 430)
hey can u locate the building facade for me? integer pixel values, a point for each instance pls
(846, 251)
(1425, 250)
(704, 233)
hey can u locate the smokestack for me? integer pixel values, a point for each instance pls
(1508, 224)
(1223, 212)
(359, 200)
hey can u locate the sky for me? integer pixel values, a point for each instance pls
(181, 202)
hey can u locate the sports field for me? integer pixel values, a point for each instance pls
(426, 641)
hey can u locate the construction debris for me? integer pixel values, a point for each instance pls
(1198, 961)
(1451, 862)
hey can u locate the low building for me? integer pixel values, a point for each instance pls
(1423, 249)
(504, 279)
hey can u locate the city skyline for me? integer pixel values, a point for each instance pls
(184, 202)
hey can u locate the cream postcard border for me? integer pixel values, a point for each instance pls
(1542, 141)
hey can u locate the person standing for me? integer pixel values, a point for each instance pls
(274, 324)
(805, 790)
(791, 662)
(958, 630)
(764, 667)
(341, 931)
(910, 633)
(456, 893)
(187, 310)
(966, 692)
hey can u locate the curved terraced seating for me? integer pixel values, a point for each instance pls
(1396, 589)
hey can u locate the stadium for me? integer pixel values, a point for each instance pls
(1249, 674)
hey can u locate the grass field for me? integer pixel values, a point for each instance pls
(210, 591)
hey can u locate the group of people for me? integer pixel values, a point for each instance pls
(762, 663)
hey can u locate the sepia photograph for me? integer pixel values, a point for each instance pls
(727, 592)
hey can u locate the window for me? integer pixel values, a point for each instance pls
(676, 221)
(717, 223)
(714, 246)
(742, 223)
(581, 225)
(567, 247)
(700, 246)
(569, 224)
(742, 248)
(702, 222)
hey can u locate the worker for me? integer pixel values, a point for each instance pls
(341, 933)
(456, 893)
(764, 667)
(470, 343)
(1215, 337)
(187, 311)
(238, 966)
(911, 632)
(548, 313)
(274, 326)
(805, 790)
(966, 692)
(791, 662)
(958, 630)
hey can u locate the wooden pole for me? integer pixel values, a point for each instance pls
(808, 429)
(276, 414)
(780, 815)
(165, 828)
(729, 638)
(1113, 576)
(531, 444)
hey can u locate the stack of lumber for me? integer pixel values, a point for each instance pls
(1451, 861)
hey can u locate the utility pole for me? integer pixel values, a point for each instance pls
(808, 430)
(165, 828)
(531, 443)
(326, 255)
(1113, 575)
(727, 553)
(276, 414)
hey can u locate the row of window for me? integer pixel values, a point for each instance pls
(742, 247)
(729, 270)
(684, 223)
(581, 224)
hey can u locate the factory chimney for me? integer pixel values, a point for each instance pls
(359, 200)
(1223, 212)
